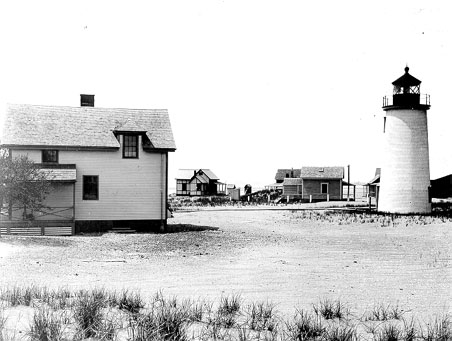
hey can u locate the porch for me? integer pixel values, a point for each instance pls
(56, 217)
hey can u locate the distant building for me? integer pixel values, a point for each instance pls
(198, 182)
(281, 175)
(374, 184)
(233, 192)
(316, 184)
(442, 187)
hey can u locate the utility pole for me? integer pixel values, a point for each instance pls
(348, 183)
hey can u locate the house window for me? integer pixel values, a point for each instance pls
(50, 156)
(184, 187)
(90, 187)
(130, 147)
(324, 188)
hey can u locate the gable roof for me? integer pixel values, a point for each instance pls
(281, 173)
(187, 174)
(57, 126)
(322, 173)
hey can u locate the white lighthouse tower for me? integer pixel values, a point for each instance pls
(405, 171)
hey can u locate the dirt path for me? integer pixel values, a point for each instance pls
(278, 256)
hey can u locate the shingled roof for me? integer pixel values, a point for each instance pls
(281, 173)
(322, 173)
(187, 174)
(57, 126)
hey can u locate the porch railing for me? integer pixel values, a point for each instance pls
(15, 213)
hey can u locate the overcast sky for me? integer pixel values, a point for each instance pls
(251, 86)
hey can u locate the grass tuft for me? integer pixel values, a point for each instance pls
(331, 309)
(88, 314)
(261, 316)
(131, 302)
(46, 325)
(440, 329)
(340, 333)
(383, 312)
(304, 327)
(389, 332)
(229, 310)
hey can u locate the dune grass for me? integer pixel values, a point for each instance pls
(99, 314)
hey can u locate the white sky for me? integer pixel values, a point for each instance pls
(251, 86)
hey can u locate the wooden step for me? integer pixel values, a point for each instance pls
(122, 230)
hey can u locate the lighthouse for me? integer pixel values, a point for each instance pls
(405, 171)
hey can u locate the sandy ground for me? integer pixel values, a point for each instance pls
(279, 256)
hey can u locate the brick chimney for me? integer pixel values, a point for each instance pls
(87, 100)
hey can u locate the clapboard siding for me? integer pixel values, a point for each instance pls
(128, 188)
(312, 187)
(292, 189)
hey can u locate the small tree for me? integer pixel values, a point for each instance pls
(22, 183)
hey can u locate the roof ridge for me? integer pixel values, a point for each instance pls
(84, 107)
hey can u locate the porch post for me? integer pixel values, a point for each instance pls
(73, 208)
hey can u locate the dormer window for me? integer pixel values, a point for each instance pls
(50, 156)
(130, 147)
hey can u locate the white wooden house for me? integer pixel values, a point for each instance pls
(109, 167)
(315, 184)
(197, 182)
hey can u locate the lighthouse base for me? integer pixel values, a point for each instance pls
(405, 202)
